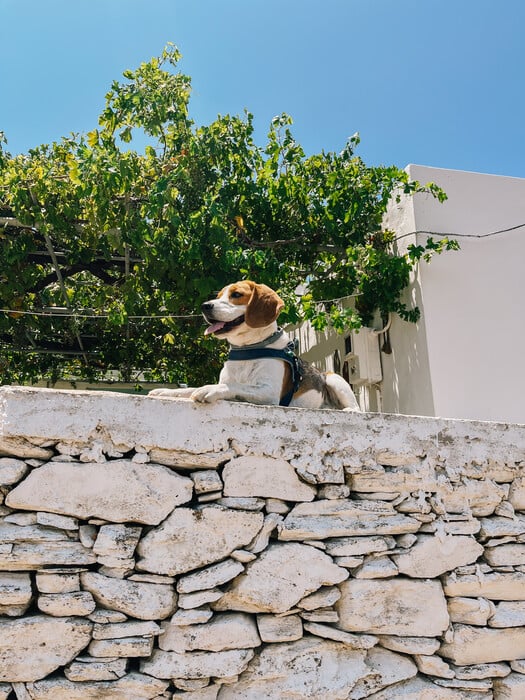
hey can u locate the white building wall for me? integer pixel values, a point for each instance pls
(464, 359)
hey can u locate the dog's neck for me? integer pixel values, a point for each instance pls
(260, 337)
(262, 343)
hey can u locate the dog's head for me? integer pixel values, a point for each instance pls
(240, 307)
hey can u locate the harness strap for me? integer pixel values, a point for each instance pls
(286, 354)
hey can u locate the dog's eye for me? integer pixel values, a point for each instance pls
(236, 295)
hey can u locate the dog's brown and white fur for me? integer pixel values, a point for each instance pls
(245, 313)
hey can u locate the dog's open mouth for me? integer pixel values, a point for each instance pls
(221, 327)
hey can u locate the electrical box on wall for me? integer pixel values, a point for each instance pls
(363, 358)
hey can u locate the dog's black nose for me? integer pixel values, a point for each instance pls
(207, 306)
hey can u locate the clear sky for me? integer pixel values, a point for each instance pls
(434, 82)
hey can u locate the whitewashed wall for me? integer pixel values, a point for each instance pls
(163, 549)
(464, 359)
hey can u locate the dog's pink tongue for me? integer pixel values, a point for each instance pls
(214, 327)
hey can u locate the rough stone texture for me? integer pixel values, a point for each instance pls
(15, 590)
(470, 611)
(134, 685)
(410, 645)
(29, 556)
(366, 496)
(63, 604)
(50, 582)
(479, 497)
(401, 480)
(206, 481)
(95, 669)
(506, 555)
(434, 666)
(63, 522)
(355, 546)
(477, 645)
(188, 601)
(273, 628)
(279, 578)
(226, 631)
(95, 491)
(322, 519)
(352, 641)
(192, 616)
(199, 664)
(508, 614)
(11, 470)
(423, 689)
(119, 630)
(495, 586)
(431, 556)
(129, 647)
(265, 477)
(480, 671)
(372, 567)
(142, 600)
(324, 597)
(260, 542)
(517, 493)
(211, 576)
(510, 688)
(502, 527)
(393, 606)
(386, 669)
(189, 539)
(117, 541)
(308, 668)
(33, 647)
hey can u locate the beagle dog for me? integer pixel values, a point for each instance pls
(245, 314)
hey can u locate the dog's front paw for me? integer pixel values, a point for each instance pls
(210, 393)
(168, 393)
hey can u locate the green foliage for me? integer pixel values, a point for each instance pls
(155, 232)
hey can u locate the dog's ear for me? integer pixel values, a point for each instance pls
(263, 308)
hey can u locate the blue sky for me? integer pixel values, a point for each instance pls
(434, 82)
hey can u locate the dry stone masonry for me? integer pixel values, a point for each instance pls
(158, 549)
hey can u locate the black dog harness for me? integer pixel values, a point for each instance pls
(287, 354)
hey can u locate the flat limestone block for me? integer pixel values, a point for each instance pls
(119, 490)
(402, 607)
(11, 470)
(28, 557)
(265, 477)
(423, 689)
(134, 685)
(310, 668)
(33, 647)
(64, 604)
(225, 631)
(477, 645)
(191, 538)
(281, 576)
(274, 628)
(145, 601)
(96, 670)
(511, 688)
(15, 589)
(494, 586)
(432, 556)
(344, 518)
(198, 664)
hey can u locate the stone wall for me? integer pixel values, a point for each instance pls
(162, 549)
